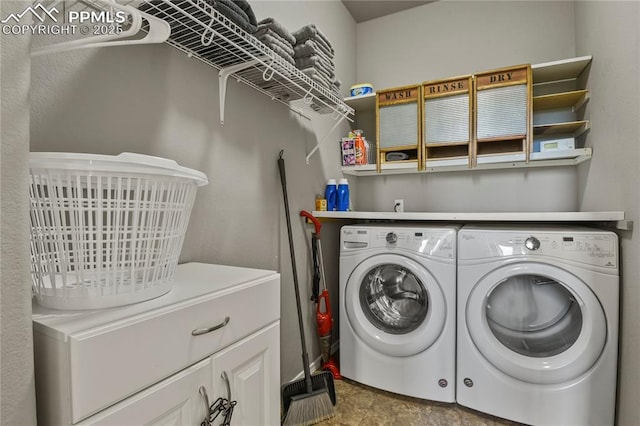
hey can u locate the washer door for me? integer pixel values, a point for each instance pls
(536, 322)
(394, 305)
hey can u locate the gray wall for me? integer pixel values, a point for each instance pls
(610, 32)
(450, 38)
(17, 384)
(154, 100)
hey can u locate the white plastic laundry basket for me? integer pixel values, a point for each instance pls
(106, 230)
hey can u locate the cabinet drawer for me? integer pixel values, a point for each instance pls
(109, 363)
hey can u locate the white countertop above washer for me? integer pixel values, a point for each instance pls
(603, 216)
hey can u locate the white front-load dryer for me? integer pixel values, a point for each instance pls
(538, 324)
(397, 309)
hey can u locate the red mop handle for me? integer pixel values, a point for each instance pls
(313, 219)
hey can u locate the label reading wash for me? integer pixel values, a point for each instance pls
(398, 96)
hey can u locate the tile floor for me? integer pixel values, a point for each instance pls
(358, 404)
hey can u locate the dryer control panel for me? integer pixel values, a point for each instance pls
(592, 248)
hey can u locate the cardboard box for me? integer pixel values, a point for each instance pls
(348, 150)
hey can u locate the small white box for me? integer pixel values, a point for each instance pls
(562, 144)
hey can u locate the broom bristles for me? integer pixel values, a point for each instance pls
(309, 409)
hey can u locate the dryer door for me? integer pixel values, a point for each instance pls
(395, 305)
(536, 322)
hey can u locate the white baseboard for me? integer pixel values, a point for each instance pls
(316, 364)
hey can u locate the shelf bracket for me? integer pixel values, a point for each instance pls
(338, 121)
(624, 225)
(223, 76)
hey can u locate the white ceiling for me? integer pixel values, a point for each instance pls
(364, 10)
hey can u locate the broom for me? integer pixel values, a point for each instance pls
(312, 398)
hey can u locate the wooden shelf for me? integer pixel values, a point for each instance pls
(439, 144)
(573, 128)
(572, 100)
(364, 103)
(489, 162)
(566, 69)
(446, 150)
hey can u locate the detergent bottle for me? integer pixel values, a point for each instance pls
(360, 148)
(330, 193)
(343, 195)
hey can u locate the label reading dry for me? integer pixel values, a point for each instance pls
(500, 78)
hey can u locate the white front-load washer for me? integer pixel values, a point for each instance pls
(538, 324)
(397, 308)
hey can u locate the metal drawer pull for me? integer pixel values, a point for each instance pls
(224, 377)
(203, 392)
(200, 331)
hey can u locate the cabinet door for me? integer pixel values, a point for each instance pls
(252, 367)
(175, 401)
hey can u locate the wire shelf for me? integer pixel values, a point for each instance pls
(203, 33)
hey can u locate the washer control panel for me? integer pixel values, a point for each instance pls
(431, 242)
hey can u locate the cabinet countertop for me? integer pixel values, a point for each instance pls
(203, 280)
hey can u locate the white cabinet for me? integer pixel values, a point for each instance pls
(251, 367)
(145, 363)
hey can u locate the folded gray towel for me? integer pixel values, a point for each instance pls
(317, 76)
(267, 30)
(246, 8)
(311, 47)
(320, 46)
(320, 70)
(315, 59)
(232, 11)
(278, 28)
(270, 35)
(282, 49)
(316, 62)
(312, 32)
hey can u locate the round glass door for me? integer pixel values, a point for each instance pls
(394, 299)
(395, 305)
(534, 316)
(536, 322)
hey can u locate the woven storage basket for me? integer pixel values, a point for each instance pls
(106, 230)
